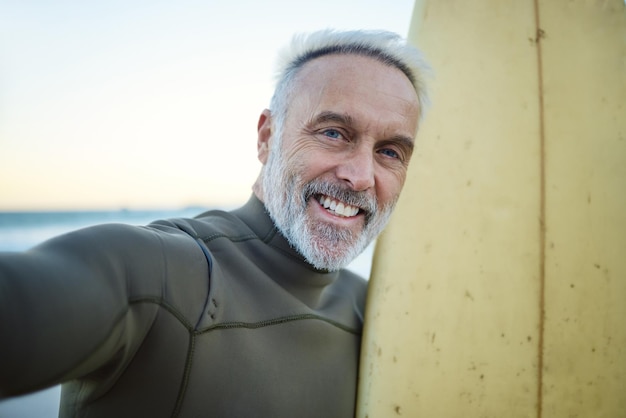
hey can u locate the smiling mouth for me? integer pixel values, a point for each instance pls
(337, 207)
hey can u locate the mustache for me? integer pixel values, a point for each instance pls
(363, 200)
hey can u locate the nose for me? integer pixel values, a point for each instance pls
(357, 169)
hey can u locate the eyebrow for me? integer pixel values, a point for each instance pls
(404, 142)
(329, 116)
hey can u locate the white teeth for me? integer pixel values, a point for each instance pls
(339, 208)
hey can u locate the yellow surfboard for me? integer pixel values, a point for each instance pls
(499, 288)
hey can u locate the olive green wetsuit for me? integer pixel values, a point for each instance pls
(208, 317)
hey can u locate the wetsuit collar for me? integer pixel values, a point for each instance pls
(255, 216)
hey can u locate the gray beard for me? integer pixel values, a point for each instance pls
(323, 245)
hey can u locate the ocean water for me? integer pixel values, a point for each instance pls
(20, 231)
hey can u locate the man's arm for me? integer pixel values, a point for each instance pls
(64, 304)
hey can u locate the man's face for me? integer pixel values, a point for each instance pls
(332, 178)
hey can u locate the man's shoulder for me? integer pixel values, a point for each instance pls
(207, 226)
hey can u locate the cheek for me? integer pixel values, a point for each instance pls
(388, 186)
(308, 161)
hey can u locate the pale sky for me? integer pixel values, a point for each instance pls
(144, 104)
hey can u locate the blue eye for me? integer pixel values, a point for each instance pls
(389, 153)
(333, 133)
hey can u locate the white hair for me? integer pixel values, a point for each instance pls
(386, 47)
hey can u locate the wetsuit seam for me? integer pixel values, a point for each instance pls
(209, 260)
(267, 240)
(190, 351)
(270, 235)
(241, 238)
(296, 258)
(277, 321)
(185, 381)
(169, 308)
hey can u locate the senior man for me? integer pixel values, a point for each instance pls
(232, 314)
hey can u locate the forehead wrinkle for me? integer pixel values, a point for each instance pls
(409, 103)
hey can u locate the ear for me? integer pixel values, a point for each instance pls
(264, 131)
